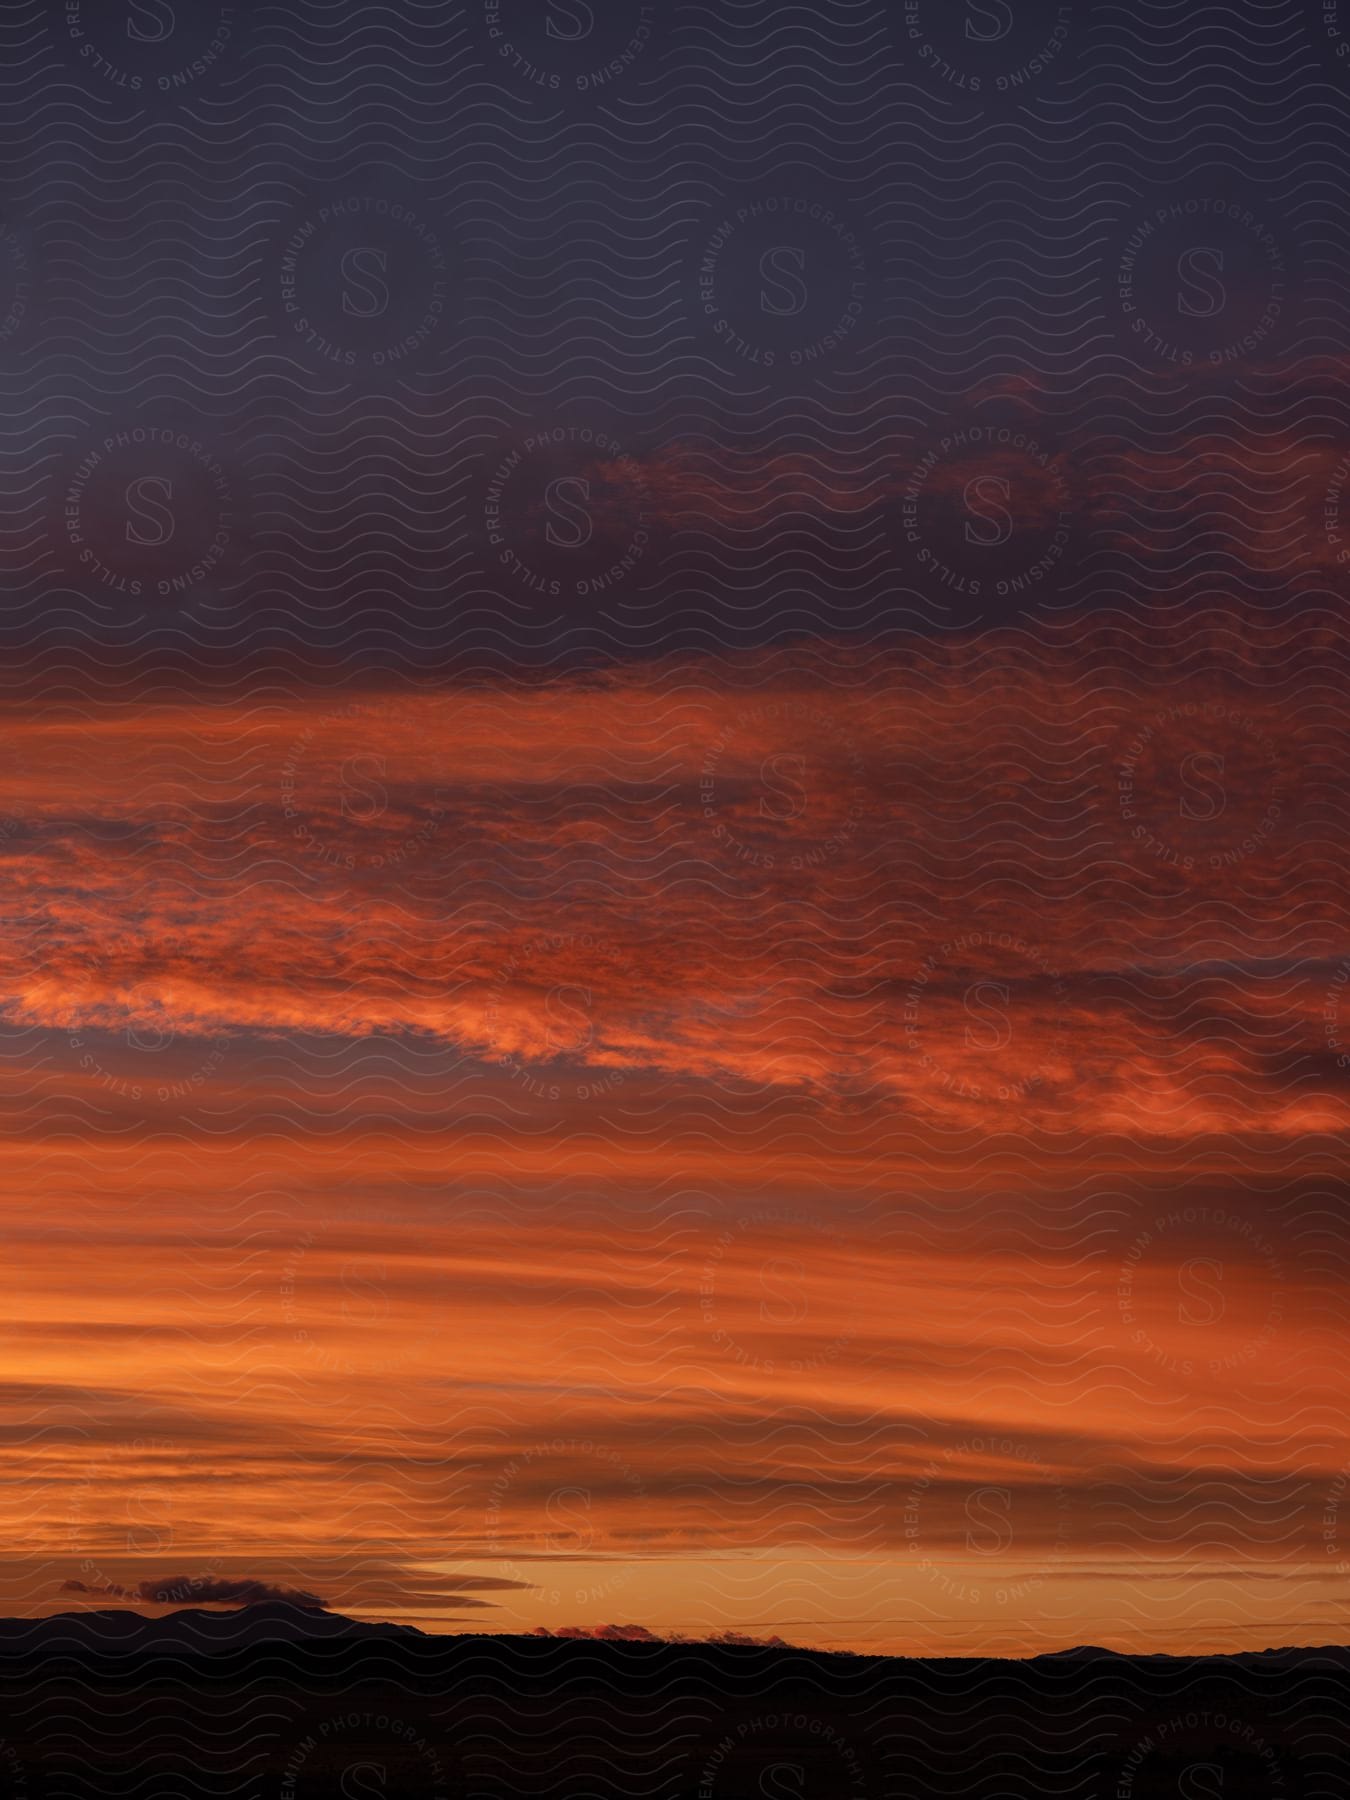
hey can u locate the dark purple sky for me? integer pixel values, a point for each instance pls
(748, 270)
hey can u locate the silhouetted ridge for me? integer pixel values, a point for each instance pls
(194, 1628)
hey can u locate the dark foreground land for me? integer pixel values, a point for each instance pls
(293, 1706)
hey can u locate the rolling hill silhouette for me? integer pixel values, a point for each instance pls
(293, 1703)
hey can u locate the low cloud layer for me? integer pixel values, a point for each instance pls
(198, 1590)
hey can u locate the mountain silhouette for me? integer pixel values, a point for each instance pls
(278, 1701)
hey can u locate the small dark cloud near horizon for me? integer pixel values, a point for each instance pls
(209, 1590)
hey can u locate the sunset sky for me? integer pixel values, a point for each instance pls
(473, 1164)
(676, 948)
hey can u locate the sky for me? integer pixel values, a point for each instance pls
(674, 943)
